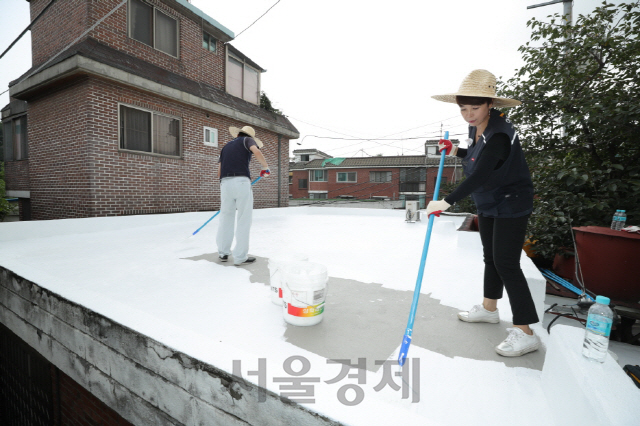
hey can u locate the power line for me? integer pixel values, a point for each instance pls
(257, 19)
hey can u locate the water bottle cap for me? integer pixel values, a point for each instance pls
(602, 300)
(623, 211)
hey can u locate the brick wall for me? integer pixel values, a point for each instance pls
(16, 174)
(77, 169)
(66, 20)
(74, 405)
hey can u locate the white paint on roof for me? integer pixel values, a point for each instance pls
(134, 270)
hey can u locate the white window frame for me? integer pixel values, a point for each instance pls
(213, 135)
(312, 174)
(151, 130)
(242, 83)
(347, 180)
(153, 30)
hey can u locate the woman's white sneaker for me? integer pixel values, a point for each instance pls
(518, 343)
(479, 314)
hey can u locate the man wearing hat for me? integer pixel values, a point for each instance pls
(236, 193)
(498, 180)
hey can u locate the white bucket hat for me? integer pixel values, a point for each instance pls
(479, 83)
(249, 131)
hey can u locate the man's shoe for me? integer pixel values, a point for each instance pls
(518, 343)
(479, 314)
(223, 257)
(247, 262)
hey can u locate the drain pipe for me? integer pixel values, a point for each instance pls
(279, 167)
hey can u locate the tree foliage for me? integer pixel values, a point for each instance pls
(5, 206)
(265, 103)
(579, 121)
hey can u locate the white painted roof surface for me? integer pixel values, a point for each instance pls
(145, 273)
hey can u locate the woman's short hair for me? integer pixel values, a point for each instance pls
(473, 100)
(243, 134)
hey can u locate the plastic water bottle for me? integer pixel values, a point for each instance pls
(596, 337)
(622, 220)
(614, 222)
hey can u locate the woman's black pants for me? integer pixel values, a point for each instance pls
(502, 240)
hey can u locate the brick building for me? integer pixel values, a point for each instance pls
(409, 177)
(126, 109)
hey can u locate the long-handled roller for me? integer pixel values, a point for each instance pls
(406, 340)
(217, 213)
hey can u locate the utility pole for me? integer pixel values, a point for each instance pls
(567, 8)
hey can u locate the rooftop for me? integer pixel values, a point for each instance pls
(210, 329)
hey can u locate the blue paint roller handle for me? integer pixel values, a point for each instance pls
(406, 340)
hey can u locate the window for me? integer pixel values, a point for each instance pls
(347, 177)
(147, 131)
(304, 157)
(242, 80)
(15, 139)
(443, 181)
(290, 179)
(153, 27)
(380, 176)
(208, 42)
(302, 184)
(318, 175)
(413, 180)
(211, 136)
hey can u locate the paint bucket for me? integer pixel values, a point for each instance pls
(277, 264)
(304, 289)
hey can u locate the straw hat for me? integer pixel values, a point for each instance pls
(249, 131)
(479, 83)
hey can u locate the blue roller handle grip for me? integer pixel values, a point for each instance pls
(217, 213)
(406, 340)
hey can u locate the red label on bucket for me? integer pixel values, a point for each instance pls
(280, 293)
(309, 311)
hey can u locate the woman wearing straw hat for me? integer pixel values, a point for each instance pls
(236, 193)
(498, 180)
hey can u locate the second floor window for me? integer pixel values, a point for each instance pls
(302, 184)
(318, 175)
(146, 131)
(15, 139)
(347, 177)
(380, 176)
(153, 27)
(242, 80)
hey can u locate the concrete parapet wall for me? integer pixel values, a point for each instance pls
(144, 381)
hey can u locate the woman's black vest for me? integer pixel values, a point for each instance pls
(509, 191)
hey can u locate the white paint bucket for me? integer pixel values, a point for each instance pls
(304, 289)
(277, 265)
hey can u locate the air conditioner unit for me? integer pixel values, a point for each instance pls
(413, 214)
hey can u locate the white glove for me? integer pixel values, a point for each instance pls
(436, 207)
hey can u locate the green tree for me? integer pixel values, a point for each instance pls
(265, 103)
(5, 206)
(579, 121)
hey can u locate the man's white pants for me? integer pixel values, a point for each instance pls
(235, 194)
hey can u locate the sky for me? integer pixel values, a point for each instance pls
(354, 70)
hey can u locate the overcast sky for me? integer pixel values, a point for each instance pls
(355, 69)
